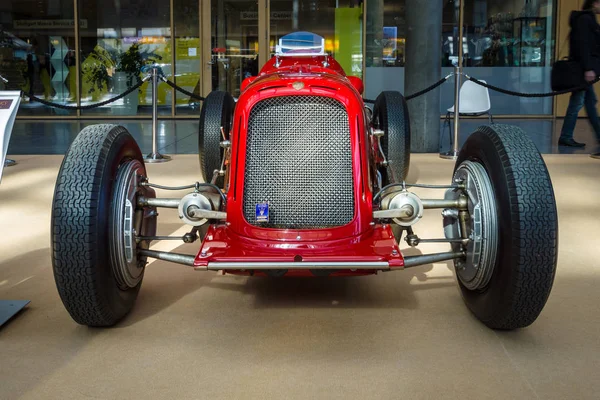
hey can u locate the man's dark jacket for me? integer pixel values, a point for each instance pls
(585, 40)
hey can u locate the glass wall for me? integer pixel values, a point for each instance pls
(186, 24)
(234, 43)
(235, 34)
(339, 22)
(37, 52)
(116, 41)
(506, 43)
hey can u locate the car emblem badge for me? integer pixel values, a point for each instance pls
(262, 212)
(298, 85)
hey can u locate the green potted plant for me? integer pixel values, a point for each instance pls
(128, 68)
(95, 73)
(114, 71)
(97, 79)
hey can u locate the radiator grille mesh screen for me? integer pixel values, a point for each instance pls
(298, 159)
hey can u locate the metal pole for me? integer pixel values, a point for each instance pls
(173, 63)
(155, 156)
(154, 110)
(415, 261)
(453, 154)
(177, 258)
(153, 202)
(77, 58)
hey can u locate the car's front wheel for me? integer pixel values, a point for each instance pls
(95, 223)
(511, 224)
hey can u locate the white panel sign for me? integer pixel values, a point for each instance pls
(275, 15)
(48, 23)
(9, 104)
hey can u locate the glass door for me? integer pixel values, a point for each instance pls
(234, 52)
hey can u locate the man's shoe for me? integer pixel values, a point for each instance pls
(570, 143)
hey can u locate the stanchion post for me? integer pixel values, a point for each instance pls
(453, 153)
(458, 70)
(155, 156)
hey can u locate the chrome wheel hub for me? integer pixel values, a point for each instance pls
(127, 222)
(479, 223)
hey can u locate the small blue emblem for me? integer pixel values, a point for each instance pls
(262, 212)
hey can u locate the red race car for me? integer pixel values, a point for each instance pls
(301, 178)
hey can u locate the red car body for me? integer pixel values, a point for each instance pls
(363, 240)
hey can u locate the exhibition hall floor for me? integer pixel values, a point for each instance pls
(200, 335)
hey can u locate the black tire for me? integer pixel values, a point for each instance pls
(217, 112)
(390, 114)
(527, 227)
(80, 226)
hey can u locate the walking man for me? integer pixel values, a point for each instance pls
(584, 44)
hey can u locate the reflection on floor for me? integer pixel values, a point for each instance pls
(50, 137)
(181, 136)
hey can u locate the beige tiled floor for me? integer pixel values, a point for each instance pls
(195, 335)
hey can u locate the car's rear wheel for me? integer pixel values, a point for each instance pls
(390, 114)
(217, 113)
(512, 222)
(95, 220)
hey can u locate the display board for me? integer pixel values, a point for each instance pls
(9, 104)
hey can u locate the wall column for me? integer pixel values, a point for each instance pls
(423, 68)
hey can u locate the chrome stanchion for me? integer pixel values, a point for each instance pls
(155, 156)
(458, 69)
(453, 153)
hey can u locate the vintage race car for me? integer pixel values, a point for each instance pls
(301, 178)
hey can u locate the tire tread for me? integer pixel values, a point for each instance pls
(209, 138)
(74, 226)
(534, 228)
(396, 123)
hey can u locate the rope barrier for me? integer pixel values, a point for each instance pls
(518, 94)
(419, 93)
(181, 90)
(88, 106)
(408, 98)
(429, 89)
(103, 103)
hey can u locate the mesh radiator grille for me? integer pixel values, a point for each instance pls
(298, 159)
